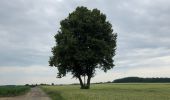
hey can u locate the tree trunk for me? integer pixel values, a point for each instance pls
(88, 82)
(83, 85)
(81, 82)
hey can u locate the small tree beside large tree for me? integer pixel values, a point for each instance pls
(84, 42)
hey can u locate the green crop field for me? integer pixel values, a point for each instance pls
(110, 92)
(6, 91)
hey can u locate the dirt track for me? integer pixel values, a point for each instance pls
(34, 94)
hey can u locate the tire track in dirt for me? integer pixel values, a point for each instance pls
(34, 94)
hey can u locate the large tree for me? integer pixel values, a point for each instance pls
(84, 42)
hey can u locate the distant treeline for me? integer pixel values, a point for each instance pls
(142, 80)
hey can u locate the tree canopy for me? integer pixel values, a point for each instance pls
(84, 42)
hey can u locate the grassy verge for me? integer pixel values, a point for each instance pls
(6, 91)
(110, 92)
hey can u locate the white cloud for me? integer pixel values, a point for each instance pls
(150, 71)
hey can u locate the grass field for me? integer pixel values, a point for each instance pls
(110, 92)
(6, 91)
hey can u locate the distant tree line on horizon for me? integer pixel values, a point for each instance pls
(142, 80)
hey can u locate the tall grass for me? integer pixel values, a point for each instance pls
(12, 90)
(110, 92)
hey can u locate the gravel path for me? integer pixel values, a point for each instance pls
(35, 94)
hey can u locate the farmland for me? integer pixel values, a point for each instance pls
(6, 91)
(145, 91)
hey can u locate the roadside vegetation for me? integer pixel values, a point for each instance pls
(128, 91)
(7, 91)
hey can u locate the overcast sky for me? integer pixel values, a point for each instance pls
(27, 29)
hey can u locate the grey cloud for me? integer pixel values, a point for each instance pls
(26, 33)
(27, 28)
